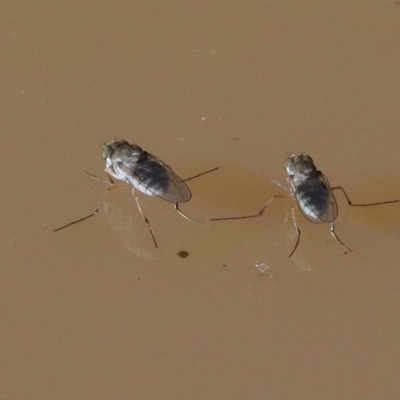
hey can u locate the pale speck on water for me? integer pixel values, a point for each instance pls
(262, 267)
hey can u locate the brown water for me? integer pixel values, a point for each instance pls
(95, 311)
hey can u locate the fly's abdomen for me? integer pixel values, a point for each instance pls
(156, 182)
(316, 201)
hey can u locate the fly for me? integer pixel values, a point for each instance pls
(145, 173)
(313, 194)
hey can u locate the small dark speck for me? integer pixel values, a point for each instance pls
(183, 254)
(138, 279)
(224, 265)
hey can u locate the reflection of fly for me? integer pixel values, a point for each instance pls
(313, 195)
(145, 173)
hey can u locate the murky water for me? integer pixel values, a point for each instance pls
(95, 311)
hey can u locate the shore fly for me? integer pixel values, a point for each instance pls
(313, 194)
(145, 173)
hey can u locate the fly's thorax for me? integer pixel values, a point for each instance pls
(123, 152)
(127, 155)
(110, 148)
(300, 166)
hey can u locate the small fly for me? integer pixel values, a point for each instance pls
(145, 173)
(313, 194)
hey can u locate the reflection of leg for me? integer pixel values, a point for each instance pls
(108, 190)
(187, 217)
(110, 182)
(96, 210)
(297, 230)
(337, 238)
(280, 185)
(109, 174)
(203, 173)
(144, 217)
(277, 196)
(361, 205)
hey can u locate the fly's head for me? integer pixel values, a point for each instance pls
(300, 166)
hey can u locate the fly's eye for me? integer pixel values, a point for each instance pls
(308, 159)
(106, 152)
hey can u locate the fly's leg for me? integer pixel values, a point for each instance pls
(201, 174)
(75, 222)
(144, 217)
(297, 230)
(362, 205)
(176, 206)
(337, 238)
(354, 205)
(277, 196)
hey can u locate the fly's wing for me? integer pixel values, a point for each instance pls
(154, 177)
(316, 200)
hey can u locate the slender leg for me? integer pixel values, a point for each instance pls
(176, 206)
(337, 238)
(203, 173)
(362, 205)
(297, 230)
(75, 222)
(277, 196)
(144, 217)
